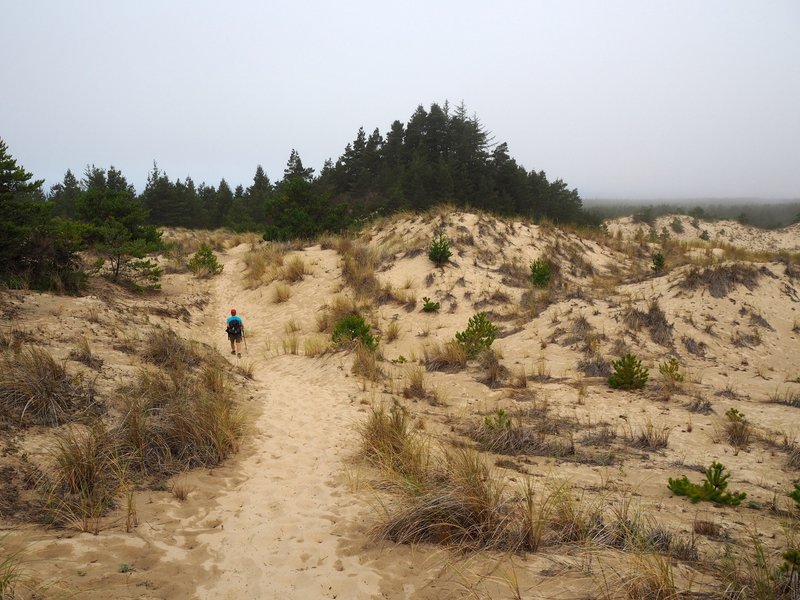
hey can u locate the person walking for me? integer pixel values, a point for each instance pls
(235, 329)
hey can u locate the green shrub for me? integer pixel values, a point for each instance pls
(795, 495)
(705, 236)
(429, 305)
(439, 250)
(676, 225)
(352, 328)
(658, 263)
(540, 273)
(670, 370)
(628, 373)
(478, 335)
(497, 421)
(204, 262)
(712, 489)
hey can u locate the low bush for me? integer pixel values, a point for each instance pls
(439, 250)
(478, 336)
(429, 305)
(540, 273)
(712, 489)
(352, 328)
(204, 263)
(795, 495)
(659, 263)
(670, 372)
(628, 373)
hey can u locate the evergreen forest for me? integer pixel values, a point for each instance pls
(440, 155)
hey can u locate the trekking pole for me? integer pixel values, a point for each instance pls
(244, 339)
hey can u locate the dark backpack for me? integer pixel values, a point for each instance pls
(234, 327)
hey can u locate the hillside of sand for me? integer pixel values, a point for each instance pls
(298, 513)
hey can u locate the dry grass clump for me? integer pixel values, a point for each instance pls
(650, 436)
(294, 269)
(722, 280)
(415, 383)
(494, 373)
(527, 432)
(787, 398)
(738, 430)
(464, 507)
(86, 477)
(165, 348)
(262, 264)
(359, 263)
(700, 405)
(448, 357)
(181, 420)
(316, 346)
(390, 442)
(36, 389)
(693, 346)
(392, 331)
(654, 320)
(281, 293)
(650, 577)
(752, 572)
(594, 365)
(83, 354)
(365, 362)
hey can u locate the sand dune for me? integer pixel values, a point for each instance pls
(294, 513)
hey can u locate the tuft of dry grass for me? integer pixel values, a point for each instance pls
(365, 363)
(464, 508)
(294, 269)
(787, 398)
(723, 279)
(415, 383)
(291, 344)
(171, 422)
(86, 478)
(450, 357)
(165, 348)
(281, 293)
(36, 389)
(83, 354)
(316, 346)
(655, 320)
(651, 436)
(390, 441)
(392, 331)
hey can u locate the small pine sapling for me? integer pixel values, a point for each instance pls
(795, 495)
(540, 273)
(439, 250)
(711, 490)
(479, 335)
(429, 305)
(628, 373)
(659, 262)
(670, 371)
(204, 262)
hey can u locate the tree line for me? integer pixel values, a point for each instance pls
(439, 155)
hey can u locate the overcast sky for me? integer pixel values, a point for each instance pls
(621, 99)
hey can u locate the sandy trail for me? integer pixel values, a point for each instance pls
(283, 527)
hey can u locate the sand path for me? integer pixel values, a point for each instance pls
(284, 525)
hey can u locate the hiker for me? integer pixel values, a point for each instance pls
(235, 329)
